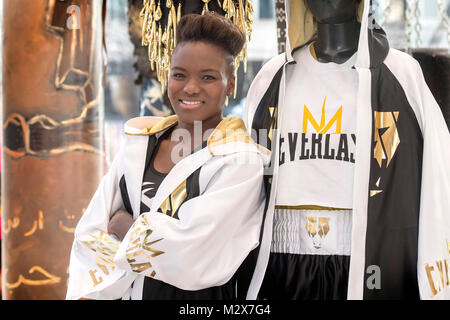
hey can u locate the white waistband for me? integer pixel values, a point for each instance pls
(323, 232)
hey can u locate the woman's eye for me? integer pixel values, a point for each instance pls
(177, 75)
(208, 77)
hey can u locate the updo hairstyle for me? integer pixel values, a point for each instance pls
(211, 28)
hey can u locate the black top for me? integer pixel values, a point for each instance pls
(152, 178)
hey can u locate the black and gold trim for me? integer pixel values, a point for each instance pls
(266, 115)
(187, 190)
(147, 126)
(394, 190)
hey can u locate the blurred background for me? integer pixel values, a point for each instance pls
(420, 27)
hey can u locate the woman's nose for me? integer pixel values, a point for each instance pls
(192, 87)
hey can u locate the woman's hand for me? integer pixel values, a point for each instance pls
(120, 223)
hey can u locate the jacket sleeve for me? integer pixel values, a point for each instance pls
(433, 259)
(434, 222)
(214, 234)
(92, 273)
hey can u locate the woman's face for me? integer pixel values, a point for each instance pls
(199, 81)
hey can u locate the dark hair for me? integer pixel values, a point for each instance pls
(212, 28)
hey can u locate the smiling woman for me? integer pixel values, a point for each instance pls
(201, 75)
(187, 227)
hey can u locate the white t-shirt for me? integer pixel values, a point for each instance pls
(317, 142)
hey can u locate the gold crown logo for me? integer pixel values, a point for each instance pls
(322, 128)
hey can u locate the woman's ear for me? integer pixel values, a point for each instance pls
(231, 84)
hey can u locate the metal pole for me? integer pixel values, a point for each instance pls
(52, 156)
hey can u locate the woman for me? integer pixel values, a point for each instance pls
(196, 204)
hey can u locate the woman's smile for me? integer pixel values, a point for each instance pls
(190, 104)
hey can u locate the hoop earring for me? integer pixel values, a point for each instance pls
(226, 100)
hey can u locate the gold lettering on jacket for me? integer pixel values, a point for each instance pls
(105, 248)
(386, 136)
(95, 280)
(443, 278)
(146, 245)
(139, 246)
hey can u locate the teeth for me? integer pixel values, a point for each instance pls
(191, 102)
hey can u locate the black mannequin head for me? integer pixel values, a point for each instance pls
(337, 29)
(333, 11)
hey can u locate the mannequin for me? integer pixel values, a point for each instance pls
(312, 217)
(380, 203)
(338, 29)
